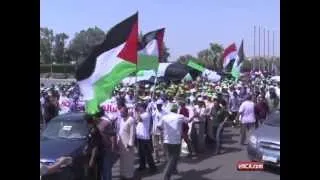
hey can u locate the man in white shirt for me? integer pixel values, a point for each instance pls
(247, 118)
(156, 133)
(171, 124)
(130, 100)
(143, 135)
(169, 104)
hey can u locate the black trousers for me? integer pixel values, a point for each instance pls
(145, 153)
(173, 152)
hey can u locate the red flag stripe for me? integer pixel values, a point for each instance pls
(129, 52)
(229, 50)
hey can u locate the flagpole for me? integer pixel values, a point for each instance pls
(254, 45)
(268, 52)
(154, 85)
(273, 43)
(259, 50)
(136, 83)
(264, 47)
(272, 50)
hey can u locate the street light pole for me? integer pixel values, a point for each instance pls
(268, 53)
(254, 45)
(264, 47)
(259, 49)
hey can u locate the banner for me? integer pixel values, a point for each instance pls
(65, 105)
(195, 66)
(110, 108)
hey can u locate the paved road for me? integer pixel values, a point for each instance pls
(213, 167)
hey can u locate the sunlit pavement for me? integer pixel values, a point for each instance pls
(212, 167)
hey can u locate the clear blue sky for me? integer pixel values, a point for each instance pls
(190, 25)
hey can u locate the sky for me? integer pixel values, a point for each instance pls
(190, 25)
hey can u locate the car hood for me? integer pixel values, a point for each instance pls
(268, 133)
(51, 149)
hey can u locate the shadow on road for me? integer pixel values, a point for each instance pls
(194, 174)
(271, 169)
(183, 175)
(229, 136)
(140, 175)
(226, 150)
(229, 141)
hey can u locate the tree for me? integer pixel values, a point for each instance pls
(205, 57)
(217, 51)
(185, 59)
(59, 47)
(83, 42)
(211, 57)
(246, 66)
(46, 45)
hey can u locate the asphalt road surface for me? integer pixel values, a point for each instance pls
(212, 167)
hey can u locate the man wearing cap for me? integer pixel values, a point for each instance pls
(171, 124)
(156, 133)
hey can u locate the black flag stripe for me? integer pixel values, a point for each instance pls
(115, 37)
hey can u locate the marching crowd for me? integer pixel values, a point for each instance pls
(157, 120)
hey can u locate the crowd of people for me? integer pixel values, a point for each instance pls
(156, 120)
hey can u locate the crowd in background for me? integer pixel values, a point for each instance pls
(156, 120)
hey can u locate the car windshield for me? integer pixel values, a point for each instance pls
(273, 119)
(66, 129)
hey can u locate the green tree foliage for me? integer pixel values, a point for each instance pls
(46, 45)
(83, 42)
(185, 58)
(246, 66)
(59, 47)
(217, 51)
(211, 57)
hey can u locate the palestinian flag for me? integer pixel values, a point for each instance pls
(238, 62)
(108, 63)
(229, 54)
(229, 67)
(150, 50)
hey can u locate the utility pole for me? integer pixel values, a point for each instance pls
(269, 64)
(259, 49)
(273, 55)
(264, 47)
(273, 44)
(254, 44)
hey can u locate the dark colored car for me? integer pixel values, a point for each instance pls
(264, 142)
(67, 135)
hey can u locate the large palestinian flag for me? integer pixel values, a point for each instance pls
(108, 63)
(150, 50)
